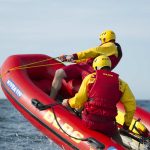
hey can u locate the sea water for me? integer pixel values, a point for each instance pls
(16, 133)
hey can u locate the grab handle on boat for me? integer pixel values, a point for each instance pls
(126, 133)
(98, 145)
(41, 106)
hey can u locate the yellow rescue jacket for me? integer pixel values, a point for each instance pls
(127, 99)
(107, 49)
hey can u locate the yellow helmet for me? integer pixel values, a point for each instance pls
(101, 61)
(107, 36)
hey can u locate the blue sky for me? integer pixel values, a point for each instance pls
(56, 27)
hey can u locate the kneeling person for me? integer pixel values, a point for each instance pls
(98, 95)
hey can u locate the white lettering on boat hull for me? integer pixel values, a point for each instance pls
(14, 88)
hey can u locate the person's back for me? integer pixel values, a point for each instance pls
(110, 49)
(103, 94)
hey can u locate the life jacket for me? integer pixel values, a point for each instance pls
(103, 96)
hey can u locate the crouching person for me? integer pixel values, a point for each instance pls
(98, 95)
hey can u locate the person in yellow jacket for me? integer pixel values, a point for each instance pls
(83, 60)
(98, 95)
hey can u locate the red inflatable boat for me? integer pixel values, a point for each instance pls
(26, 82)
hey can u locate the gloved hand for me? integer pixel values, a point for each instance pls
(65, 102)
(125, 127)
(124, 130)
(62, 58)
(68, 58)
